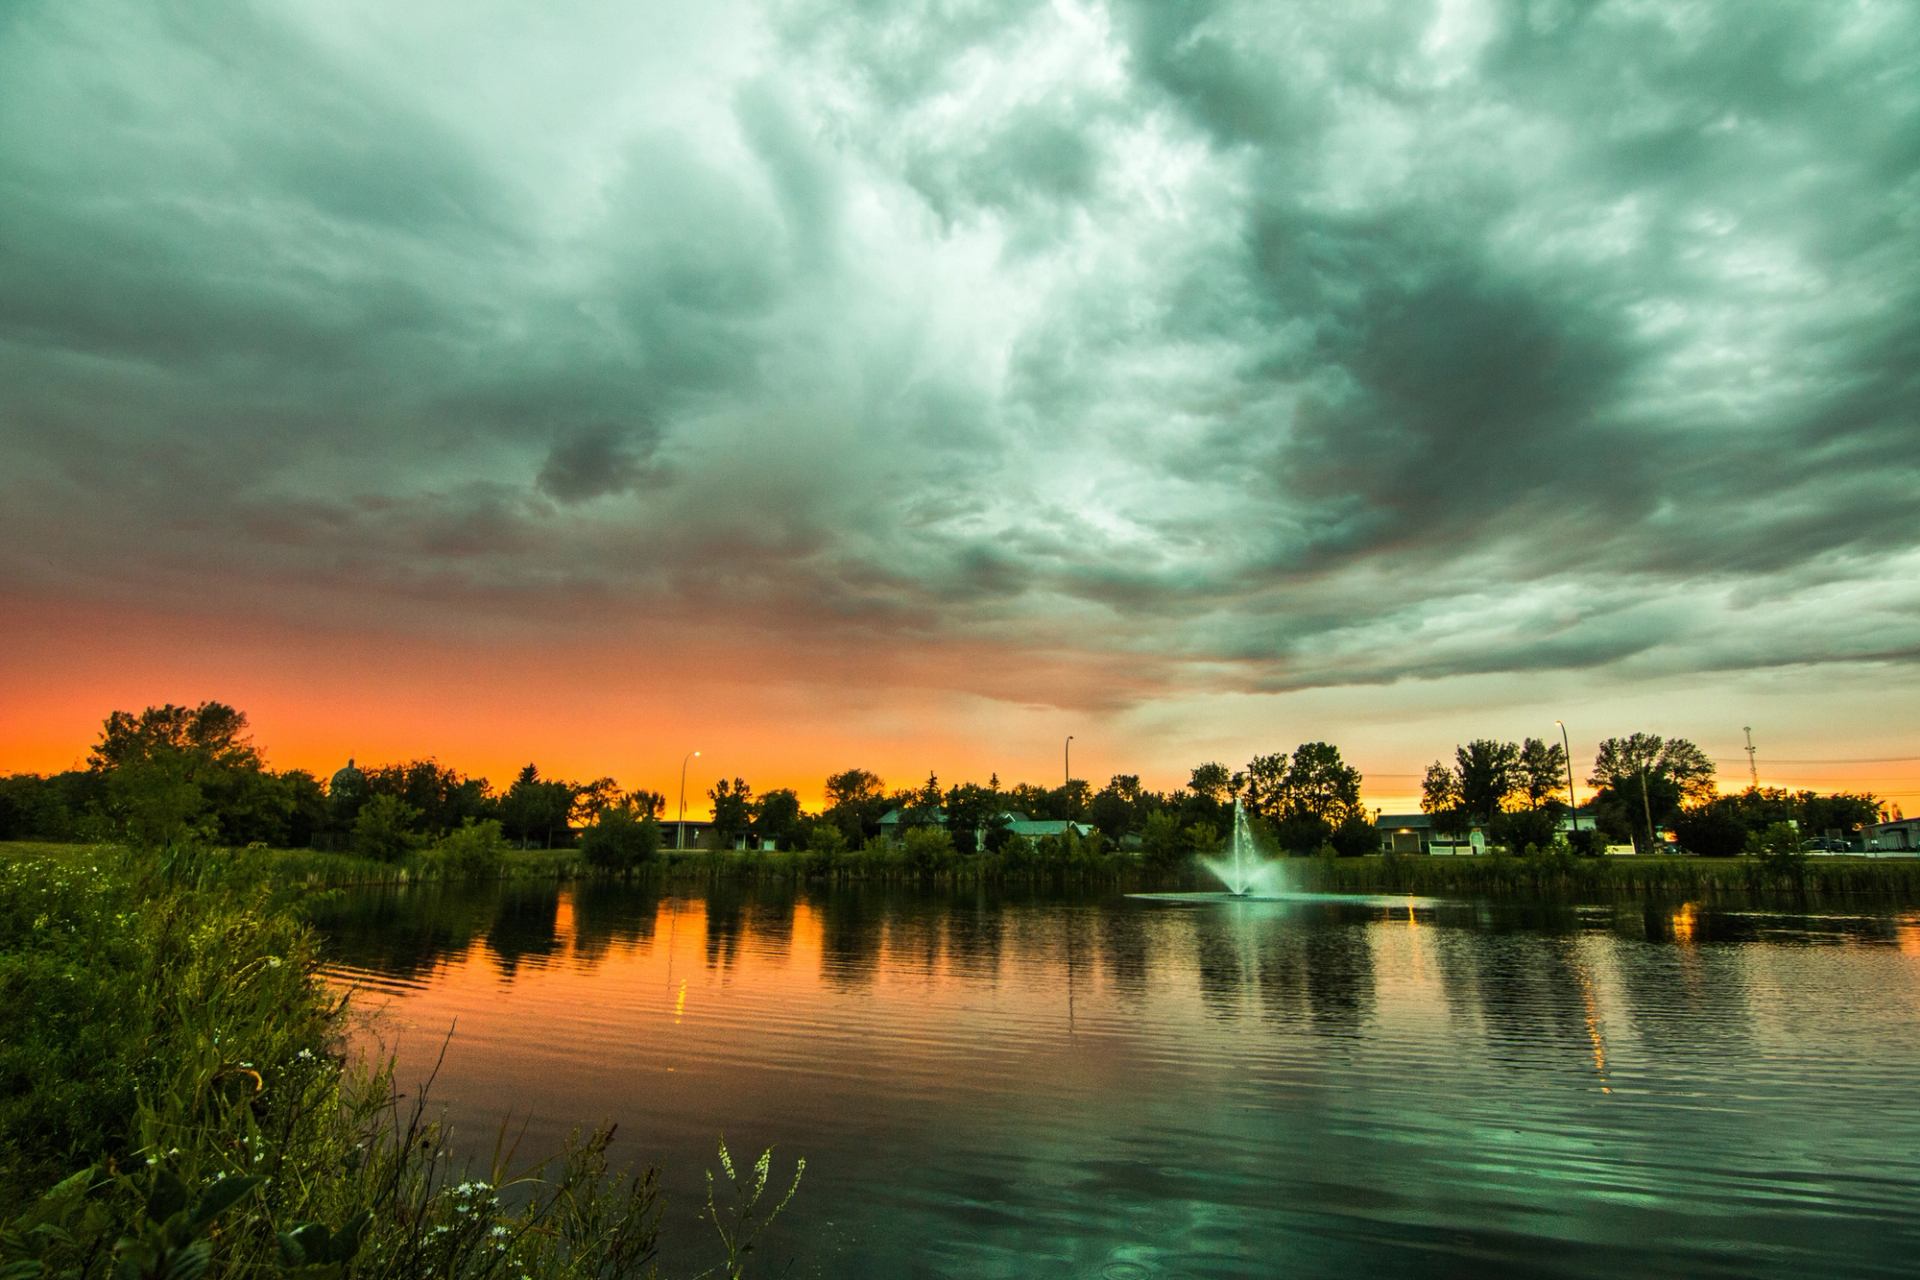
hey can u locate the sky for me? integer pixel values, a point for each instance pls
(912, 385)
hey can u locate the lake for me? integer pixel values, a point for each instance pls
(1017, 1086)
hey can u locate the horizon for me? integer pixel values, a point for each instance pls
(913, 387)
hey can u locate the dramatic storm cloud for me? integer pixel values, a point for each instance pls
(1094, 357)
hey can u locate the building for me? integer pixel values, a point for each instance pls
(1415, 833)
(1899, 836)
(1018, 824)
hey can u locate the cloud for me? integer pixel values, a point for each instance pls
(1188, 347)
(597, 461)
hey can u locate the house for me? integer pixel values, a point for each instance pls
(1415, 833)
(1018, 824)
(1899, 836)
(699, 834)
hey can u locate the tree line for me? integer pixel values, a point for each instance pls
(170, 772)
(1519, 793)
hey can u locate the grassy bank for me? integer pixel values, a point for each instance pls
(1545, 876)
(173, 1102)
(1568, 877)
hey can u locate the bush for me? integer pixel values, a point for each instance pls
(1354, 837)
(1525, 829)
(620, 840)
(1162, 847)
(384, 830)
(927, 849)
(475, 852)
(1586, 842)
(1711, 832)
(1777, 845)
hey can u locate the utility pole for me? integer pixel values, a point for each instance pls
(1066, 754)
(1573, 806)
(1646, 805)
(1753, 761)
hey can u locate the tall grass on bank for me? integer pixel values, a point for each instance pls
(1564, 876)
(173, 1103)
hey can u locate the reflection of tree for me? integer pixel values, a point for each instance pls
(403, 930)
(1216, 949)
(726, 914)
(523, 926)
(913, 934)
(974, 933)
(770, 921)
(849, 936)
(1340, 977)
(610, 912)
(1123, 945)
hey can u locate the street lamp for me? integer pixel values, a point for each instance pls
(1573, 806)
(680, 828)
(1066, 752)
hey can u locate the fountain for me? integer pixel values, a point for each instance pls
(1245, 873)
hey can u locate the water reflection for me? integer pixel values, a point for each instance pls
(1010, 1086)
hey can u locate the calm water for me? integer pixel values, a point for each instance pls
(1123, 1088)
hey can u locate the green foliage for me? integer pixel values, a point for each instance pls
(1777, 845)
(384, 830)
(475, 851)
(621, 839)
(1163, 846)
(732, 811)
(1524, 830)
(1713, 831)
(1354, 837)
(167, 1032)
(740, 1223)
(928, 850)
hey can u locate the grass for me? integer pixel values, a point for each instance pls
(174, 1103)
(1551, 876)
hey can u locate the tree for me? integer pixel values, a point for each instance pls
(1319, 785)
(1541, 773)
(974, 818)
(1354, 837)
(1264, 776)
(536, 808)
(1119, 808)
(732, 811)
(1712, 831)
(620, 838)
(1210, 781)
(856, 801)
(776, 817)
(385, 829)
(1162, 846)
(1661, 774)
(181, 769)
(1488, 770)
(1440, 800)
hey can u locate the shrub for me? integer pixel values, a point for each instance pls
(473, 852)
(1711, 832)
(620, 839)
(927, 849)
(1524, 829)
(384, 829)
(1354, 837)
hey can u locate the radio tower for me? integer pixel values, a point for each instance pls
(1753, 766)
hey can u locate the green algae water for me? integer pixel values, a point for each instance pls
(1020, 1086)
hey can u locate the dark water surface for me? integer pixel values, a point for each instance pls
(1122, 1088)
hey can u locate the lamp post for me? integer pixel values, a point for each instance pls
(680, 828)
(1566, 746)
(1066, 753)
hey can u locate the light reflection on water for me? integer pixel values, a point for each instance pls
(1084, 1088)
